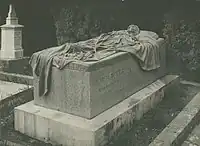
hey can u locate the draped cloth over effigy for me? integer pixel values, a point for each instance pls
(143, 45)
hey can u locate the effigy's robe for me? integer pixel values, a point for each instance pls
(144, 46)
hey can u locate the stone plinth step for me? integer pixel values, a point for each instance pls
(66, 129)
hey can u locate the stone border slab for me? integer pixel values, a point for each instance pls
(194, 137)
(57, 127)
(16, 78)
(9, 143)
(190, 83)
(176, 132)
(9, 103)
(15, 65)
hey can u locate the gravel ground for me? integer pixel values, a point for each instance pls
(144, 131)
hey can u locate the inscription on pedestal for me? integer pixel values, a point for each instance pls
(115, 74)
(3, 35)
(11, 39)
(18, 39)
(114, 81)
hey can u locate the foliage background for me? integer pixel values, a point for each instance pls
(81, 20)
(182, 28)
(49, 23)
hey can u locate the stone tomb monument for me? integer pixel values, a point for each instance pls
(84, 99)
(11, 53)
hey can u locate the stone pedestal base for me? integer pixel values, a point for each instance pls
(19, 53)
(14, 65)
(69, 130)
(14, 54)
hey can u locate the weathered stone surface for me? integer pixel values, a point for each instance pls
(12, 94)
(62, 128)
(16, 78)
(19, 66)
(187, 143)
(87, 89)
(8, 89)
(194, 137)
(11, 42)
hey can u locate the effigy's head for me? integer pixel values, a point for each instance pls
(133, 29)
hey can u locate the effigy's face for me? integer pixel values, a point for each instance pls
(133, 29)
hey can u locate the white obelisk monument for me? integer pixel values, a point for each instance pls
(11, 37)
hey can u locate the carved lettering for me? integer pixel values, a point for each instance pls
(116, 74)
(113, 82)
(18, 39)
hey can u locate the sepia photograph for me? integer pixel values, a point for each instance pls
(100, 73)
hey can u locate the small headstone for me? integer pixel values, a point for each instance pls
(11, 37)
